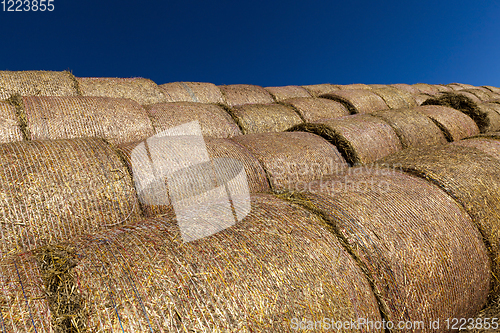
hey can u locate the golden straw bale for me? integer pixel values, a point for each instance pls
(10, 129)
(443, 88)
(353, 86)
(495, 90)
(261, 118)
(317, 90)
(313, 108)
(425, 88)
(239, 94)
(358, 101)
(492, 110)
(489, 145)
(36, 83)
(286, 92)
(200, 92)
(421, 98)
(460, 86)
(406, 87)
(483, 94)
(392, 98)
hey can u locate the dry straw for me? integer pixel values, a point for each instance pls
(239, 94)
(470, 177)
(483, 94)
(495, 90)
(392, 98)
(143, 91)
(281, 262)
(488, 145)
(406, 87)
(56, 190)
(213, 119)
(492, 110)
(317, 90)
(312, 108)
(10, 130)
(425, 88)
(421, 98)
(117, 120)
(358, 101)
(36, 83)
(413, 128)
(420, 249)
(454, 124)
(282, 93)
(199, 92)
(460, 86)
(443, 88)
(360, 139)
(292, 158)
(354, 86)
(495, 101)
(261, 118)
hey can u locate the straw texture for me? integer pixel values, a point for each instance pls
(143, 91)
(413, 128)
(55, 190)
(36, 83)
(261, 118)
(312, 108)
(117, 120)
(199, 92)
(420, 248)
(460, 86)
(469, 176)
(392, 98)
(354, 86)
(317, 90)
(406, 87)
(493, 89)
(213, 119)
(239, 94)
(421, 98)
(443, 88)
(490, 146)
(483, 94)
(286, 92)
(360, 139)
(492, 112)
(425, 88)
(454, 124)
(358, 101)
(291, 158)
(9, 124)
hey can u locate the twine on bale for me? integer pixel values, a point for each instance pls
(418, 247)
(239, 94)
(313, 108)
(291, 158)
(200, 92)
(317, 90)
(358, 101)
(10, 129)
(261, 118)
(286, 92)
(360, 139)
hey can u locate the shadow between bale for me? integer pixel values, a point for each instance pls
(10, 129)
(317, 90)
(286, 92)
(313, 108)
(358, 101)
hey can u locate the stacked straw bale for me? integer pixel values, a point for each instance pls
(143, 91)
(358, 101)
(454, 124)
(492, 110)
(488, 145)
(495, 101)
(281, 262)
(199, 92)
(393, 98)
(117, 120)
(483, 94)
(495, 90)
(421, 98)
(10, 130)
(313, 108)
(286, 92)
(292, 158)
(413, 128)
(425, 88)
(214, 120)
(443, 88)
(239, 94)
(471, 96)
(468, 175)
(354, 86)
(361, 139)
(36, 83)
(406, 87)
(317, 90)
(419, 248)
(55, 190)
(460, 86)
(261, 118)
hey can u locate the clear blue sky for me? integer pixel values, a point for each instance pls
(266, 43)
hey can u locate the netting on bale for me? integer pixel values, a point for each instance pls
(10, 129)
(143, 91)
(57, 190)
(454, 124)
(282, 93)
(420, 249)
(313, 108)
(358, 101)
(261, 118)
(359, 138)
(317, 90)
(117, 120)
(239, 94)
(490, 146)
(292, 158)
(200, 92)
(214, 119)
(392, 98)
(413, 128)
(36, 83)
(425, 88)
(279, 263)
(468, 175)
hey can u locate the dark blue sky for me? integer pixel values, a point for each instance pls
(266, 43)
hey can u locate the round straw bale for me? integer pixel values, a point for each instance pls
(468, 94)
(491, 110)
(443, 88)
(492, 89)
(143, 91)
(239, 94)
(416, 244)
(282, 93)
(9, 124)
(358, 101)
(490, 146)
(375, 86)
(454, 124)
(214, 120)
(261, 118)
(425, 88)
(496, 101)
(360, 139)
(55, 190)
(317, 90)
(483, 94)
(290, 158)
(392, 98)
(406, 87)
(199, 92)
(36, 83)
(279, 263)
(470, 177)
(354, 86)
(117, 120)
(413, 128)
(493, 105)
(421, 98)
(313, 108)
(464, 104)
(460, 86)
